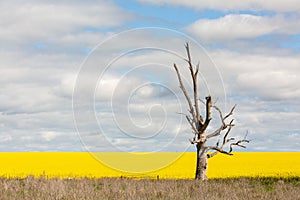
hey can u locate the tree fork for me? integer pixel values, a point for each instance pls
(199, 125)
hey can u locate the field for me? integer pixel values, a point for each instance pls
(146, 165)
(148, 176)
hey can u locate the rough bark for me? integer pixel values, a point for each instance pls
(201, 164)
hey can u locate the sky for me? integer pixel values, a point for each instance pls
(98, 75)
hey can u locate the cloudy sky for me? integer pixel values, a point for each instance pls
(97, 75)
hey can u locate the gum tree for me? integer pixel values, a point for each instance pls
(199, 124)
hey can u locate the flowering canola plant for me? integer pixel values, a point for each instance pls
(146, 165)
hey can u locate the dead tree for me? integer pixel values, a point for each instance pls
(199, 124)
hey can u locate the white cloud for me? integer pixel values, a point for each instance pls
(66, 86)
(5, 138)
(43, 20)
(270, 126)
(226, 5)
(232, 27)
(265, 86)
(42, 48)
(265, 76)
(115, 86)
(42, 45)
(279, 84)
(49, 135)
(242, 26)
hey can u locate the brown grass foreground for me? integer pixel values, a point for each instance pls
(122, 188)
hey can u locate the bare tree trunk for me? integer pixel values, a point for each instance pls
(201, 164)
(199, 125)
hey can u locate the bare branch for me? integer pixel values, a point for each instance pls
(246, 135)
(218, 150)
(202, 101)
(221, 115)
(225, 141)
(210, 155)
(208, 112)
(215, 101)
(185, 93)
(226, 134)
(197, 69)
(195, 84)
(230, 113)
(215, 133)
(224, 125)
(190, 122)
(238, 144)
(188, 52)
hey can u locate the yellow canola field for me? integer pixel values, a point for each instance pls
(146, 165)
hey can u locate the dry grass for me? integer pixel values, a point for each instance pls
(108, 188)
